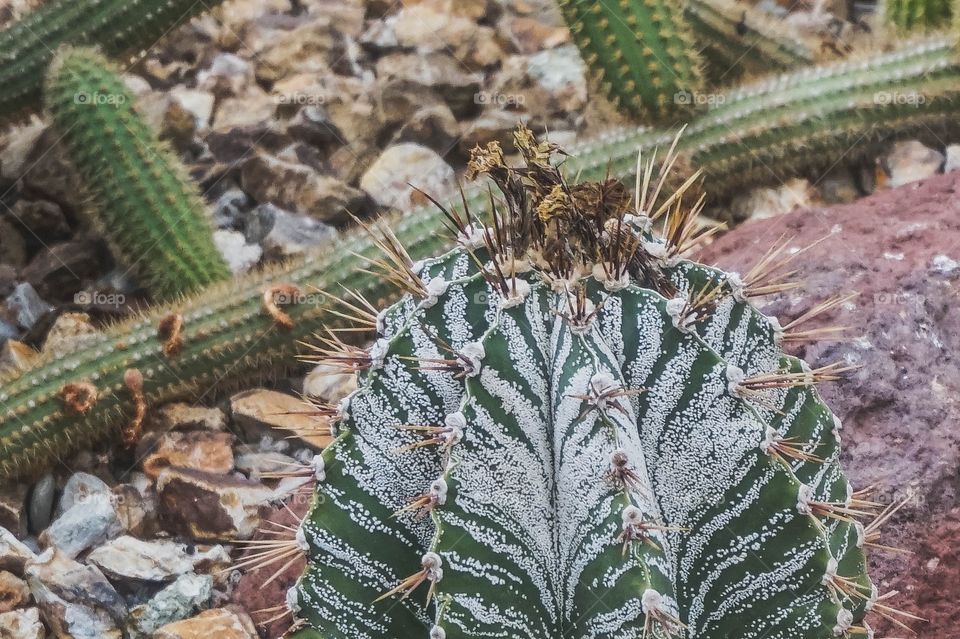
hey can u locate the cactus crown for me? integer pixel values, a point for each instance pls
(565, 429)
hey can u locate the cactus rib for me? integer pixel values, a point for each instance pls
(119, 27)
(139, 195)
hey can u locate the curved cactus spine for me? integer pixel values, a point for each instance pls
(140, 196)
(640, 50)
(916, 15)
(119, 27)
(208, 340)
(736, 39)
(575, 419)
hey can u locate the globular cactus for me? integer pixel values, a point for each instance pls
(138, 194)
(566, 429)
(641, 51)
(736, 39)
(916, 15)
(119, 27)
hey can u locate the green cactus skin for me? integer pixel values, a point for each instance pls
(641, 51)
(602, 472)
(227, 336)
(917, 15)
(813, 119)
(737, 39)
(118, 27)
(140, 197)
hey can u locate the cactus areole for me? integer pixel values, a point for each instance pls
(565, 429)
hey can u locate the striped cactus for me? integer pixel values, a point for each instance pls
(565, 429)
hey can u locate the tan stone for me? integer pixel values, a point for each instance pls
(221, 623)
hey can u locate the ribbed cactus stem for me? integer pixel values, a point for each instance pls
(916, 15)
(641, 52)
(736, 38)
(562, 411)
(118, 27)
(138, 193)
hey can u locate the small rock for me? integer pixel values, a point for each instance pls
(761, 203)
(82, 488)
(838, 186)
(261, 411)
(255, 464)
(252, 108)
(944, 265)
(422, 28)
(910, 161)
(493, 125)
(83, 526)
(22, 624)
(75, 600)
(388, 180)
(310, 48)
(13, 248)
(14, 592)
(209, 451)
(233, 246)
(131, 559)
(199, 104)
(45, 219)
(952, 162)
(433, 127)
(293, 234)
(229, 209)
(434, 72)
(210, 507)
(228, 74)
(19, 141)
(40, 506)
(47, 173)
(60, 270)
(548, 84)
(219, 622)
(323, 382)
(27, 305)
(312, 124)
(177, 601)
(13, 509)
(15, 356)
(530, 35)
(135, 512)
(300, 188)
(178, 416)
(13, 553)
(68, 333)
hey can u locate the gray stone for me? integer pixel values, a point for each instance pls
(240, 256)
(952, 162)
(83, 526)
(14, 554)
(910, 161)
(76, 601)
(82, 488)
(22, 624)
(27, 305)
(40, 506)
(388, 180)
(435, 72)
(130, 559)
(181, 599)
(433, 127)
(292, 234)
(229, 209)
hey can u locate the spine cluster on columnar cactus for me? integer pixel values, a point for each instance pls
(736, 38)
(564, 429)
(641, 51)
(916, 15)
(119, 27)
(140, 197)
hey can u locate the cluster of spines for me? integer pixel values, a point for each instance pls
(139, 196)
(737, 39)
(118, 27)
(641, 52)
(917, 15)
(799, 426)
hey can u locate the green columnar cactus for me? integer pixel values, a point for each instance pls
(119, 27)
(641, 51)
(737, 39)
(211, 340)
(813, 119)
(564, 429)
(140, 196)
(917, 15)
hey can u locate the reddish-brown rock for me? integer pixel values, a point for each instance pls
(900, 250)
